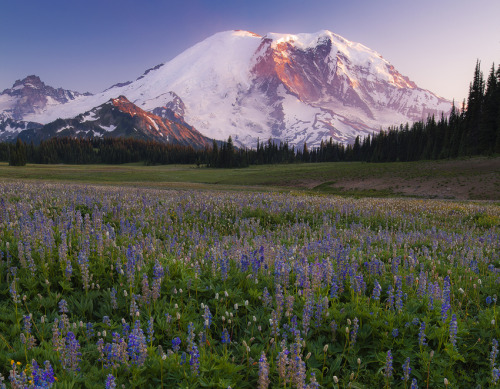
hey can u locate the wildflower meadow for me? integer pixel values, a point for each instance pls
(111, 287)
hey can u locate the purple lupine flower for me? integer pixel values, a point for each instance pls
(307, 313)
(194, 361)
(493, 353)
(388, 365)
(151, 330)
(13, 292)
(57, 340)
(26, 337)
(282, 363)
(130, 265)
(280, 301)
(399, 294)
(110, 382)
(446, 305)
(70, 355)
(42, 378)
(298, 372)
(414, 384)
(68, 271)
(395, 333)
(114, 303)
(202, 338)
(313, 384)
(125, 328)
(431, 302)
(176, 342)
(321, 306)
(134, 309)
(89, 330)
(63, 306)
(453, 330)
(106, 320)
(31, 262)
(18, 379)
(358, 283)
(334, 289)
(100, 348)
(377, 289)
(190, 337)
(266, 298)
(48, 373)
(395, 265)
(390, 297)
(263, 372)
(422, 284)
(354, 331)
(421, 335)
(225, 339)
(406, 370)
(207, 317)
(83, 262)
(146, 291)
(290, 299)
(495, 375)
(137, 348)
(274, 323)
(158, 274)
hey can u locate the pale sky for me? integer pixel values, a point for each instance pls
(90, 45)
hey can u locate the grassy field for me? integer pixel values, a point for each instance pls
(106, 286)
(476, 178)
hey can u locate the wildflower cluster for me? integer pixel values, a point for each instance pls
(245, 290)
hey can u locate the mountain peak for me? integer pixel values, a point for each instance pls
(297, 88)
(32, 96)
(32, 81)
(247, 33)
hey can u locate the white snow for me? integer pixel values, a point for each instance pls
(64, 128)
(89, 116)
(108, 128)
(214, 80)
(14, 130)
(153, 123)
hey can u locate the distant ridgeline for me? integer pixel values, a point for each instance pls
(472, 130)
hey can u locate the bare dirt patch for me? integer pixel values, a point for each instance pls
(477, 179)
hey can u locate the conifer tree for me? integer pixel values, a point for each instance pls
(489, 115)
(473, 112)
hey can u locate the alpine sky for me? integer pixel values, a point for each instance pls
(93, 44)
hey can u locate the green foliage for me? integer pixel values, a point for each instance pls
(244, 257)
(17, 155)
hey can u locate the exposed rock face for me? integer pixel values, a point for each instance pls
(121, 118)
(31, 96)
(349, 84)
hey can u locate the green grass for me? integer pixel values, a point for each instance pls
(310, 177)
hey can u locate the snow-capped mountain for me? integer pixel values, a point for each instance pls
(32, 97)
(10, 129)
(120, 118)
(298, 88)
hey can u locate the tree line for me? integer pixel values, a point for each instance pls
(472, 130)
(98, 150)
